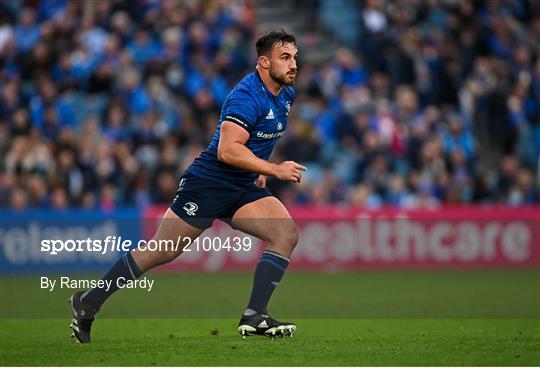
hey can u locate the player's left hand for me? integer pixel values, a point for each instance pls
(261, 181)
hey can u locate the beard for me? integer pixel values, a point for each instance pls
(281, 78)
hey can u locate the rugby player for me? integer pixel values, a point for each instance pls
(227, 181)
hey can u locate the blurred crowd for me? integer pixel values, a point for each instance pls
(104, 103)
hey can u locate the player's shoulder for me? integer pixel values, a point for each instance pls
(245, 92)
(250, 86)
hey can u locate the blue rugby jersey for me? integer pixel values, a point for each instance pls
(252, 106)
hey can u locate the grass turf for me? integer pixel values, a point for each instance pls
(318, 342)
(374, 318)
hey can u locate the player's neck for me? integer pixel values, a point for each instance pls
(269, 83)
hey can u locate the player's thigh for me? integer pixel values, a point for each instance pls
(171, 228)
(267, 219)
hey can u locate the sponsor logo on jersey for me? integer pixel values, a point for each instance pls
(269, 135)
(270, 114)
(235, 120)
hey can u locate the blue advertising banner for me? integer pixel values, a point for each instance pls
(45, 241)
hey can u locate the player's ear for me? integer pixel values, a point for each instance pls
(264, 62)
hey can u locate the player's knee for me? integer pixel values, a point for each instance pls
(292, 238)
(287, 237)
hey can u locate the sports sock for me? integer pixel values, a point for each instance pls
(268, 273)
(249, 312)
(125, 267)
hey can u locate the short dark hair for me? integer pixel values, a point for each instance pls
(265, 43)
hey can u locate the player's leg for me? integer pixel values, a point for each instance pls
(133, 264)
(268, 219)
(130, 266)
(171, 227)
(261, 218)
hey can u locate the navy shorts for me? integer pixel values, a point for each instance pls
(200, 201)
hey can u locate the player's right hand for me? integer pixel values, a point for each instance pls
(289, 171)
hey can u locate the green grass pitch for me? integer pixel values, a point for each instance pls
(458, 318)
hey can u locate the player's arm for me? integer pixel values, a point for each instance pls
(232, 150)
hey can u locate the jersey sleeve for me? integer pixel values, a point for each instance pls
(241, 109)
